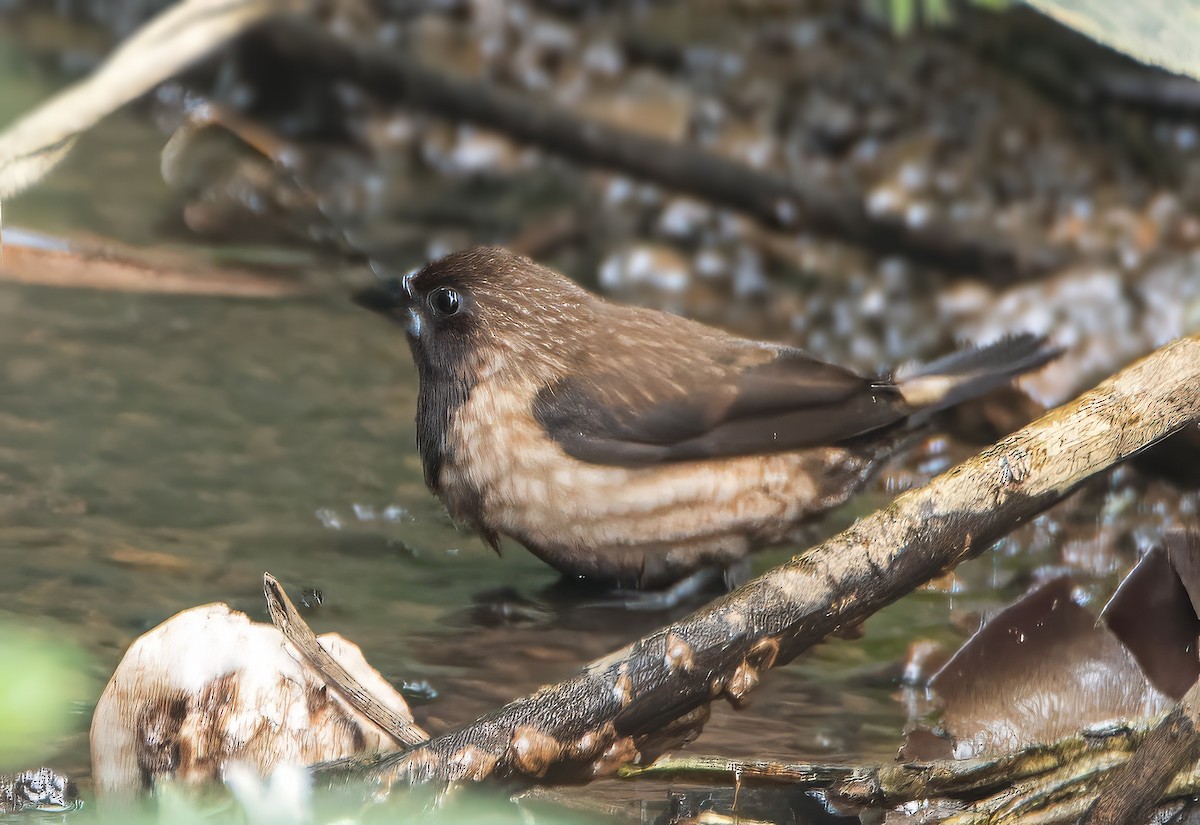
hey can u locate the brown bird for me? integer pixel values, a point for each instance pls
(633, 446)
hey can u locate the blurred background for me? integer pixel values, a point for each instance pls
(188, 396)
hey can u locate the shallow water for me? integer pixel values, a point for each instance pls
(160, 452)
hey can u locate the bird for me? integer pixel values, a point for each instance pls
(633, 447)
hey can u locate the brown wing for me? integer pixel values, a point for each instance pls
(688, 410)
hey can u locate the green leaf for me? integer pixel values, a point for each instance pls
(903, 14)
(40, 679)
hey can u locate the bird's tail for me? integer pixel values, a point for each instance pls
(972, 372)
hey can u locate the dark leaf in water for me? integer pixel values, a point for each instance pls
(1039, 670)
(1183, 548)
(1153, 616)
(311, 597)
(418, 693)
(506, 606)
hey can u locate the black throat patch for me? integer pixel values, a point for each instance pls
(437, 402)
(445, 386)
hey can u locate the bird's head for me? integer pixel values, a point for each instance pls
(485, 309)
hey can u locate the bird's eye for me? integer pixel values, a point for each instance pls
(445, 301)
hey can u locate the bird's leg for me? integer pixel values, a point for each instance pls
(738, 573)
(684, 590)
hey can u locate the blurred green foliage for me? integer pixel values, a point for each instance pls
(906, 15)
(283, 803)
(41, 677)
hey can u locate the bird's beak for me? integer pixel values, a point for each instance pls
(404, 301)
(399, 290)
(393, 297)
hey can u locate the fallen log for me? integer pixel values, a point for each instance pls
(782, 201)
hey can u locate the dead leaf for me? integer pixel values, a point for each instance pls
(1155, 618)
(1039, 670)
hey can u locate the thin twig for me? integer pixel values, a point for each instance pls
(163, 47)
(296, 630)
(33, 259)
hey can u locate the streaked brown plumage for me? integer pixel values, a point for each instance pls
(634, 446)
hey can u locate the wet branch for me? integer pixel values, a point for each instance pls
(890, 783)
(778, 201)
(1042, 783)
(633, 704)
(1132, 791)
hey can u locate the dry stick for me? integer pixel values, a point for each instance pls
(774, 199)
(289, 622)
(607, 715)
(162, 47)
(1056, 60)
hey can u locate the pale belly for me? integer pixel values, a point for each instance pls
(642, 526)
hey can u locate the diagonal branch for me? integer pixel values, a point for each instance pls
(619, 708)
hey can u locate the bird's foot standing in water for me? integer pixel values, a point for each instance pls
(692, 590)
